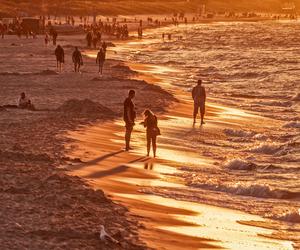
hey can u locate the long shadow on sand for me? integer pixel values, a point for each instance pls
(115, 170)
(96, 160)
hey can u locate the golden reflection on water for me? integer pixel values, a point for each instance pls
(217, 223)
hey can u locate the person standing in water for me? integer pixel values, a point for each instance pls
(199, 96)
(129, 117)
(101, 59)
(60, 57)
(150, 123)
(77, 59)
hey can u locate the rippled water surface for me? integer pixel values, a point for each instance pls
(253, 67)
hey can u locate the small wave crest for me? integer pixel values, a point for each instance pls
(293, 217)
(266, 148)
(253, 190)
(296, 97)
(239, 164)
(295, 124)
(238, 133)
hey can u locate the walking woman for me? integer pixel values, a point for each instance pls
(150, 123)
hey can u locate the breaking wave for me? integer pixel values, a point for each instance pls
(292, 217)
(238, 133)
(295, 124)
(266, 148)
(254, 190)
(239, 164)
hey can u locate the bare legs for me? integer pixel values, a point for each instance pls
(202, 112)
(128, 132)
(76, 67)
(151, 140)
(101, 68)
(59, 66)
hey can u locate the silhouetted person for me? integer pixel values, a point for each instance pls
(54, 35)
(199, 96)
(95, 41)
(60, 57)
(129, 117)
(104, 46)
(46, 39)
(89, 38)
(152, 131)
(100, 59)
(25, 103)
(77, 59)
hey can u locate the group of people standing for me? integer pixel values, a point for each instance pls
(150, 119)
(77, 58)
(94, 32)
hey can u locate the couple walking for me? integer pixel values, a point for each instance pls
(150, 123)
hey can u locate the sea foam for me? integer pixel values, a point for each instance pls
(239, 164)
(293, 217)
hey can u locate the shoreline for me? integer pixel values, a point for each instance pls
(118, 176)
(57, 209)
(140, 174)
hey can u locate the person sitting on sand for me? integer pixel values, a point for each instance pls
(150, 123)
(77, 59)
(25, 103)
(60, 57)
(199, 96)
(129, 117)
(101, 59)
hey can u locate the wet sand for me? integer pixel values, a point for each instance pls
(124, 175)
(43, 207)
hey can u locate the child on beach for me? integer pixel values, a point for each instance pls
(25, 103)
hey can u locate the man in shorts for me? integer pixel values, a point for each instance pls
(199, 96)
(129, 117)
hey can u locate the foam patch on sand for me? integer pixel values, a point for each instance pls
(84, 107)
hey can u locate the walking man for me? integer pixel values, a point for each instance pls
(60, 57)
(100, 59)
(77, 59)
(129, 117)
(199, 96)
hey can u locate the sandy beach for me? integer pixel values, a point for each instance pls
(71, 174)
(43, 205)
(124, 176)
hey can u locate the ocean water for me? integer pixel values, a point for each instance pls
(252, 67)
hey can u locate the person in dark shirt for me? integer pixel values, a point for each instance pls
(77, 59)
(54, 37)
(60, 57)
(129, 117)
(199, 96)
(150, 123)
(101, 59)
